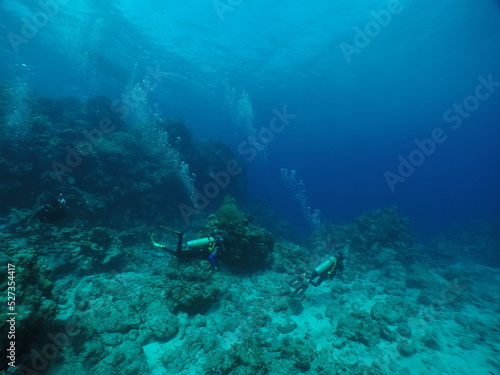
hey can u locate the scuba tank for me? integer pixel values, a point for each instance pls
(326, 264)
(200, 242)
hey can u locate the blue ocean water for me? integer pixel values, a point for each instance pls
(133, 249)
(388, 102)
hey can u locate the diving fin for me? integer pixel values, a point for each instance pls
(156, 244)
(297, 280)
(171, 230)
(179, 234)
(301, 289)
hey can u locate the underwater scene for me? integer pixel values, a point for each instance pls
(236, 187)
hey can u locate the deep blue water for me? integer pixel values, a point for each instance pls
(365, 79)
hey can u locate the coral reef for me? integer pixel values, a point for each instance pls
(154, 312)
(246, 245)
(191, 287)
(103, 249)
(85, 151)
(359, 327)
(94, 297)
(385, 228)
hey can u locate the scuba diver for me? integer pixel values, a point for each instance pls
(327, 269)
(48, 213)
(203, 248)
(52, 212)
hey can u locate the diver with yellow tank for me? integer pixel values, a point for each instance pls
(202, 248)
(326, 270)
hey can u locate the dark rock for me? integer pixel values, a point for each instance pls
(361, 328)
(419, 277)
(404, 330)
(431, 341)
(407, 348)
(387, 334)
(295, 305)
(284, 329)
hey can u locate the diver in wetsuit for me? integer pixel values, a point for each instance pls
(52, 212)
(326, 270)
(48, 213)
(203, 248)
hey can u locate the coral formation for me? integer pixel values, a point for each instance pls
(246, 245)
(385, 228)
(85, 151)
(191, 287)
